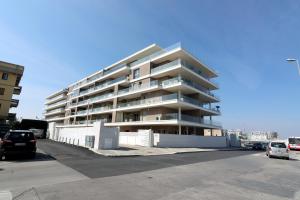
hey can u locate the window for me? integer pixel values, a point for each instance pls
(136, 73)
(2, 91)
(4, 76)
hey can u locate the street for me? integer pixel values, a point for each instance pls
(62, 171)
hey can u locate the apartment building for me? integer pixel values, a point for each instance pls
(167, 90)
(10, 77)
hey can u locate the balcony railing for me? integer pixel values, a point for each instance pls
(58, 110)
(57, 103)
(138, 87)
(174, 116)
(56, 98)
(92, 100)
(183, 63)
(156, 54)
(17, 90)
(99, 75)
(106, 84)
(161, 99)
(148, 101)
(14, 102)
(176, 80)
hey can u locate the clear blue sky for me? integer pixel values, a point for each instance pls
(247, 41)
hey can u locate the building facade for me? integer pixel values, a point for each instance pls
(166, 90)
(10, 77)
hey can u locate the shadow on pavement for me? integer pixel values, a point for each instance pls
(25, 158)
(95, 166)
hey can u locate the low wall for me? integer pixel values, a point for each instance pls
(103, 137)
(143, 138)
(170, 140)
(140, 138)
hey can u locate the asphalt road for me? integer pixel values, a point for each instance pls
(62, 171)
(96, 166)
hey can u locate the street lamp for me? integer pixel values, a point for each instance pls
(294, 60)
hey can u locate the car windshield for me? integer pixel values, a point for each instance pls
(278, 145)
(294, 140)
(20, 136)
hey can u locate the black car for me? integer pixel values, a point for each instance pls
(258, 146)
(17, 142)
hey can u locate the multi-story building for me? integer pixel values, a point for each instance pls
(10, 77)
(167, 90)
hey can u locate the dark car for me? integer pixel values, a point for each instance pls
(18, 142)
(258, 146)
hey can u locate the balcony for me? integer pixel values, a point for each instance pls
(100, 75)
(14, 103)
(169, 118)
(148, 101)
(55, 105)
(56, 98)
(99, 87)
(93, 100)
(164, 100)
(138, 88)
(17, 90)
(55, 111)
(182, 63)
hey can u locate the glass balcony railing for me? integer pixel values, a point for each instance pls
(103, 85)
(156, 54)
(173, 116)
(200, 120)
(58, 110)
(138, 87)
(100, 109)
(197, 103)
(183, 63)
(99, 75)
(148, 101)
(176, 80)
(57, 103)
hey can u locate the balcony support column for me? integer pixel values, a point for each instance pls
(179, 120)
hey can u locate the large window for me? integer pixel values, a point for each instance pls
(4, 76)
(2, 91)
(136, 73)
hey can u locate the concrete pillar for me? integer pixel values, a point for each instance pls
(115, 102)
(179, 129)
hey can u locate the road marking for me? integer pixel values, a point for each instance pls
(5, 195)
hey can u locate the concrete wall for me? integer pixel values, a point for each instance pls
(140, 138)
(105, 137)
(170, 140)
(143, 138)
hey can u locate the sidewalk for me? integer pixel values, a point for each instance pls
(124, 151)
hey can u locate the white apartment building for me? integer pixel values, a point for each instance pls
(169, 91)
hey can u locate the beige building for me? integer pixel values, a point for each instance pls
(10, 77)
(167, 90)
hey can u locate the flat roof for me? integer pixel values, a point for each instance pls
(10, 67)
(135, 56)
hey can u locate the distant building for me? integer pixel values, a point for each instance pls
(10, 77)
(262, 135)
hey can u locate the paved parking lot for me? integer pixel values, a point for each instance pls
(65, 172)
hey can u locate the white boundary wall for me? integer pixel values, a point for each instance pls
(140, 138)
(105, 137)
(172, 140)
(144, 138)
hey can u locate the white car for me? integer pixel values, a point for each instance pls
(278, 149)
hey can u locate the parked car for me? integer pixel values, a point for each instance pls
(258, 146)
(294, 143)
(17, 142)
(277, 149)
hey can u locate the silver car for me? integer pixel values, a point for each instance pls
(278, 149)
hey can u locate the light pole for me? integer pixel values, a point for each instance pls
(294, 60)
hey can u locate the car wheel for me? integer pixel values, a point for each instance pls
(287, 158)
(270, 156)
